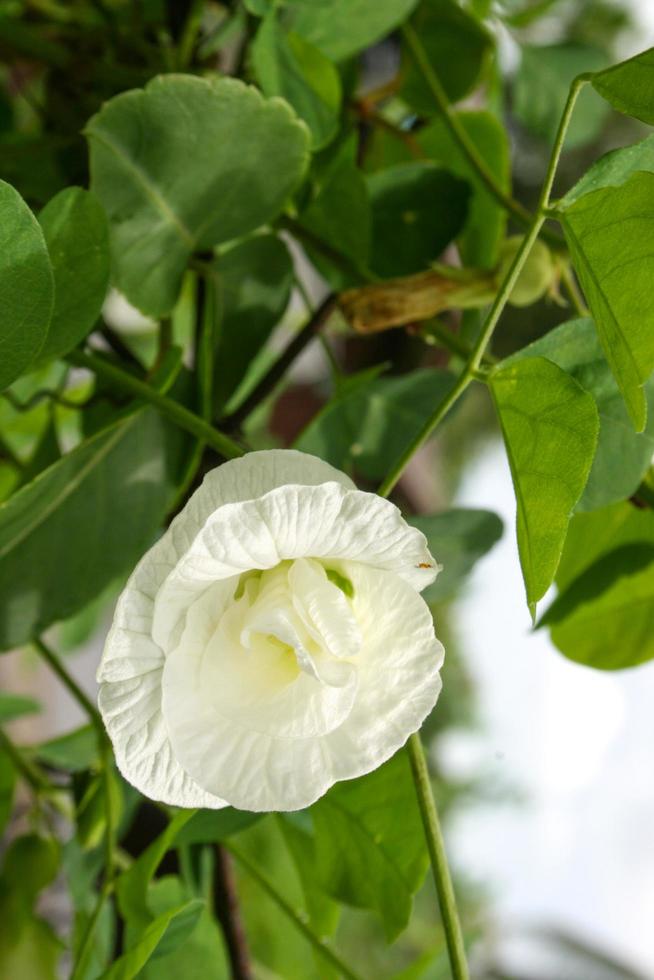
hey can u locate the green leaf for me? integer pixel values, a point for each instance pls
(201, 956)
(46, 453)
(609, 236)
(31, 863)
(604, 618)
(26, 286)
(541, 89)
(15, 706)
(341, 28)
(457, 47)
(74, 751)
(629, 86)
(613, 169)
(178, 167)
(181, 921)
(486, 222)
(77, 235)
(323, 912)
(287, 65)
(370, 849)
(132, 886)
(550, 426)
(592, 535)
(339, 215)
(253, 281)
(622, 456)
(28, 946)
(369, 423)
(417, 209)
(211, 826)
(83, 522)
(457, 538)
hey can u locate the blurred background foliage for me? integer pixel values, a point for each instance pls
(388, 194)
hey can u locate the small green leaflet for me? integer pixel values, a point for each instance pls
(609, 236)
(622, 455)
(370, 421)
(458, 48)
(369, 843)
(541, 88)
(201, 955)
(26, 286)
(629, 86)
(603, 614)
(253, 282)
(550, 427)
(340, 28)
(171, 927)
(77, 235)
(178, 167)
(132, 886)
(82, 522)
(288, 66)
(15, 706)
(613, 169)
(604, 619)
(417, 210)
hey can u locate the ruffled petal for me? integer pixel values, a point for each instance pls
(287, 766)
(399, 672)
(326, 521)
(130, 670)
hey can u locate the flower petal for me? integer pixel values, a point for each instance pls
(398, 666)
(130, 671)
(257, 769)
(326, 521)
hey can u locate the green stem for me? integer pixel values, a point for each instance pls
(460, 136)
(177, 413)
(277, 371)
(438, 858)
(573, 291)
(478, 352)
(419, 769)
(452, 342)
(85, 946)
(30, 773)
(70, 684)
(296, 918)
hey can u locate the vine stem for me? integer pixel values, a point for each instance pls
(228, 913)
(69, 682)
(478, 351)
(177, 413)
(460, 136)
(426, 801)
(296, 918)
(272, 378)
(438, 858)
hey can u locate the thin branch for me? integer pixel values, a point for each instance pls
(438, 857)
(274, 375)
(320, 945)
(173, 410)
(227, 911)
(462, 139)
(70, 684)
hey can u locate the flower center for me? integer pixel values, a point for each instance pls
(296, 617)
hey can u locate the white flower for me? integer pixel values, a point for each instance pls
(272, 642)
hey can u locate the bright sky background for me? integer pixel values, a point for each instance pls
(576, 744)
